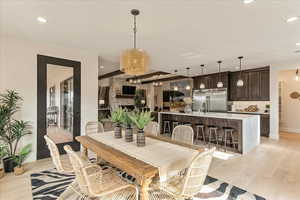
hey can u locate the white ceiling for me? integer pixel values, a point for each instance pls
(175, 33)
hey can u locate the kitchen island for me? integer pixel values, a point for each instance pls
(247, 127)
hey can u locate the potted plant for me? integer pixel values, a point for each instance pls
(116, 117)
(141, 119)
(11, 130)
(19, 159)
(3, 153)
(128, 127)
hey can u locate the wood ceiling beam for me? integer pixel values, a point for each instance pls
(148, 75)
(110, 74)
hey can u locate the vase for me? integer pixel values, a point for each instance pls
(9, 164)
(140, 138)
(118, 131)
(128, 134)
(19, 170)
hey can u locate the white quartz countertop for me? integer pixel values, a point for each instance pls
(215, 115)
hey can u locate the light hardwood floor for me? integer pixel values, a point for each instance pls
(272, 170)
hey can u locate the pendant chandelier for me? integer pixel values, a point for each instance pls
(175, 86)
(202, 85)
(220, 83)
(240, 82)
(134, 61)
(188, 87)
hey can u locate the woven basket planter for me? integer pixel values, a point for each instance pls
(140, 138)
(128, 134)
(118, 131)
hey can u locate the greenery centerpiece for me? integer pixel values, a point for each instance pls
(116, 117)
(128, 127)
(3, 153)
(11, 130)
(141, 119)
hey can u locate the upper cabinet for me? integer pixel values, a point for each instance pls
(256, 85)
(210, 81)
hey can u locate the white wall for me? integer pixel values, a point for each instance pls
(274, 81)
(19, 62)
(290, 107)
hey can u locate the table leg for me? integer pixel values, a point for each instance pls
(145, 187)
(85, 153)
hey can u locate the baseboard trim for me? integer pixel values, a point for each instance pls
(289, 130)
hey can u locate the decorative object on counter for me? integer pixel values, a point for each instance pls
(295, 95)
(267, 108)
(297, 75)
(134, 61)
(141, 119)
(117, 117)
(202, 85)
(188, 86)
(251, 108)
(128, 126)
(11, 130)
(220, 83)
(240, 82)
(188, 107)
(3, 153)
(20, 158)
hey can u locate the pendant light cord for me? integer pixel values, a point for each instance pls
(240, 58)
(219, 70)
(134, 32)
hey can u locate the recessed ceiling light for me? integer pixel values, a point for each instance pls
(42, 20)
(248, 1)
(298, 43)
(101, 67)
(292, 19)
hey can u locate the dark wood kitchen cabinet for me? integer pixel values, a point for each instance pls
(211, 80)
(256, 85)
(265, 125)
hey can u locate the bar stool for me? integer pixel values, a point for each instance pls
(228, 131)
(174, 124)
(200, 127)
(188, 124)
(167, 127)
(212, 130)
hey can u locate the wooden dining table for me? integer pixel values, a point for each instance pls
(143, 172)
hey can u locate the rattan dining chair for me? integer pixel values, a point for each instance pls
(187, 186)
(94, 183)
(62, 166)
(183, 133)
(93, 127)
(152, 128)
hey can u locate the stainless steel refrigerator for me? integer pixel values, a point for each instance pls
(210, 100)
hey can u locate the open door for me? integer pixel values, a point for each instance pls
(58, 103)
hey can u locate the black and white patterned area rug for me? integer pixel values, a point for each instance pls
(49, 184)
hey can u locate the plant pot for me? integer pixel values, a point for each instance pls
(9, 164)
(140, 138)
(1, 173)
(19, 170)
(128, 134)
(118, 131)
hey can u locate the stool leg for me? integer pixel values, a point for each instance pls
(216, 136)
(225, 140)
(203, 135)
(197, 133)
(209, 138)
(232, 139)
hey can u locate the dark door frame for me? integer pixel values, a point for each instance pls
(42, 61)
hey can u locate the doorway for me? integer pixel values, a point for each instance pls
(58, 103)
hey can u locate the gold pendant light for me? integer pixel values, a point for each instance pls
(134, 61)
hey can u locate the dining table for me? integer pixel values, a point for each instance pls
(160, 156)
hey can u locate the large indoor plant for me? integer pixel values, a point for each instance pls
(11, 130)
(19, 159)
(3, 153)
(141, 119)
(116, 117)
(128, 126)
